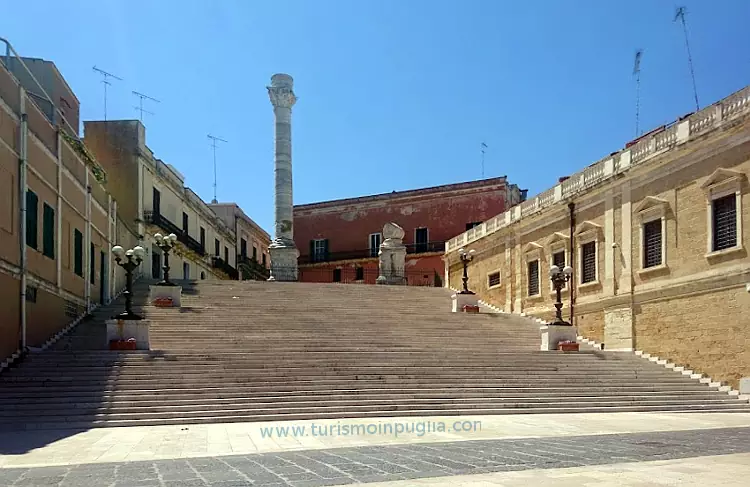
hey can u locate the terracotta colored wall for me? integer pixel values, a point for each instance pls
(420, 270)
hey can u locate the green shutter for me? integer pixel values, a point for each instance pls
(93, 264)
(32, 211)
(48, 231)
(78, 252)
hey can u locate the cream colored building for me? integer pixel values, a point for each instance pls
(657, 235)
(154, 196)
(252, 241)
(57, 221)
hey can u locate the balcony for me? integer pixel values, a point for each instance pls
(162, 222)
(413, 248)
(218, 263)
(251, 269)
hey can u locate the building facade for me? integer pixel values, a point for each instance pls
(339, 240)
(251, 241)
(57, 221)
(657, 237)
(154, 199)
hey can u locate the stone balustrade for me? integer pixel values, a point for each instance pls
(731, 107)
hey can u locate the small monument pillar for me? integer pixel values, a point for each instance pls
(282, 249)
(392, 256)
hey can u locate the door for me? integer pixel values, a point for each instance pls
(185, 270)
(155, 265)
(103, 278)
(157, 202)
(421, 239)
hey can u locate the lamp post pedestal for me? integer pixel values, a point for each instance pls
(165, 295)
(553, 334)
(462, 299)
(120, 331)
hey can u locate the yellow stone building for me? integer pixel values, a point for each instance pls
(654, 233)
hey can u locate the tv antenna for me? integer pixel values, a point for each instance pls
(482, 148)
(215, 139)
(142, 97)
(680, 15)
(105, 82)
(637, 74)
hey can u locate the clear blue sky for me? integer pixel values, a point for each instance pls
(393, 94)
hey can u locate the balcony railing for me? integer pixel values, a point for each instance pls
(413, 248)
(251, 269)
(218, 263)
(163, 222)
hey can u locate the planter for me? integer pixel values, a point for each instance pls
(470, 308)
(567, 346)
(163, 302)
(129, 344)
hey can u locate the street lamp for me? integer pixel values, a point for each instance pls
(559, 280)
(132, 259)
(165, 243)
(466, 257)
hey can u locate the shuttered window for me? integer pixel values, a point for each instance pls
(493, 279)
(319, 249)
(48, 231)
(724, 214)
(652, 242)
(78, 252)
(92, 262)
(32, 210)
(588, 262)
(558, 259)
(533, 278)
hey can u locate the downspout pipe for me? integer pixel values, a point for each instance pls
(572, 294)
(22, 188)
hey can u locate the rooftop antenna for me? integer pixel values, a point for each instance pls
(105, 82)
(141, 97)
(482, 148)
(215, 139)
(680, 15)
(637, 74)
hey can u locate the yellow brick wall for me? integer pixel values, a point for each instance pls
(590, 325)
(709, 333)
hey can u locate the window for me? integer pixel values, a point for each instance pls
(421, 239)
(375, 240)
(359, 273)
(203, 238)
(319, 249)
(78, 253)
(337, 275)
(217, 246)
(48, 231)
(533, 275)
(558, 259)
(243, 248)
(724, 222)
(493, 279)
(31, 294)
(92, 262)
(185, 221)
(471, 225)
(32, 210)
(203, 275)
(588, 262)
(652, 243)
(255, 253)
(156, 202)
(226, 254)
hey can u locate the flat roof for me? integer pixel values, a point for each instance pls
(407, 193)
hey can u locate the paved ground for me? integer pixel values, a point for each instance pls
(63, 447)
(407, 462)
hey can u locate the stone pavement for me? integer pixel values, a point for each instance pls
(150, 443)
(410, 462)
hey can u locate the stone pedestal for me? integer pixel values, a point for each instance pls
(554, 334)
(745, 385)
(125, 329)
(463, 299)
(284, 256)
(172, 292)
(392, 256)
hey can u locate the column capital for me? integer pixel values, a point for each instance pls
(280, 92)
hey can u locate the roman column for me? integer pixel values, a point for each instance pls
(283, 251)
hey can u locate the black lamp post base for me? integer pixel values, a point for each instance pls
(466, 292)
(560, 323)
(165, 283)
(128, 315)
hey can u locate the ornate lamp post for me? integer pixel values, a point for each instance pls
(165, 244)
(559, 279)
(132, 259)
(466, 257)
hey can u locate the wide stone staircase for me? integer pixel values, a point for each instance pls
(256, 351)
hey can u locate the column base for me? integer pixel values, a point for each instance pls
(284, 256)
(126, 329)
